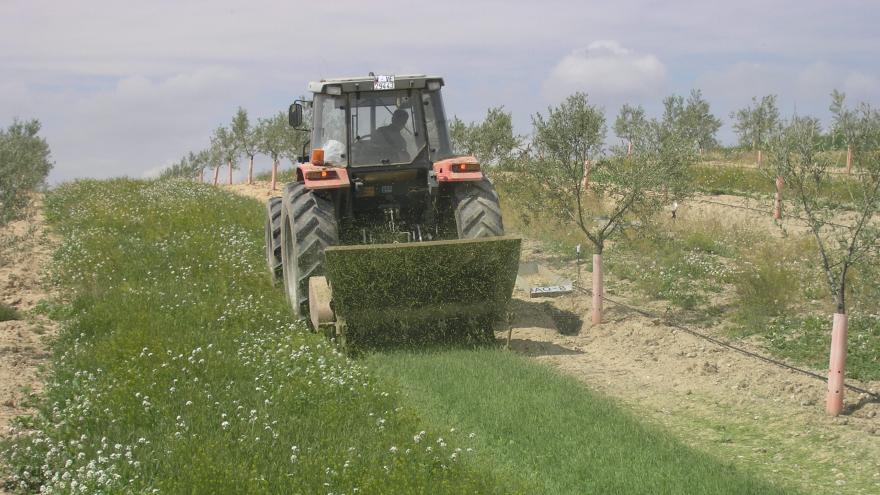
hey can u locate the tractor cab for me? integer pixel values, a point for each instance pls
(377, 121)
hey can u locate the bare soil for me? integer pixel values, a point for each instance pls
(758, 416)
(26, 248)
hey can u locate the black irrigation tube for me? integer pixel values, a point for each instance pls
(709, 201)
(727, 345)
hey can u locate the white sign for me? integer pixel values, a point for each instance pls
(383, 82)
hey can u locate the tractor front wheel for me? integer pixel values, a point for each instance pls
(308, 226)
(273, 239)
(476, 209)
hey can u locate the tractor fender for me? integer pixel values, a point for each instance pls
(322, 177)
(449, 170)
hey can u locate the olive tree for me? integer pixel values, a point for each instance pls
(224, 144)
(630, 122)
(797, 154)
(272, 138)
(625, 186)
(491, 141)
(842, 125)
(755, 123)
(245, 139)
(24, 165)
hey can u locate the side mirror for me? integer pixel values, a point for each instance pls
(295, 115)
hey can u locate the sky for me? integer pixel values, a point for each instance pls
(126, 88)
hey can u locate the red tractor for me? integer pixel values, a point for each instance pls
(381, 173)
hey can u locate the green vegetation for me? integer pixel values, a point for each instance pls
(8, 313)
(180, 369)
(381, 290)
(24, 165)
(529, 421)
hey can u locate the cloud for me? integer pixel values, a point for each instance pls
(607, 71)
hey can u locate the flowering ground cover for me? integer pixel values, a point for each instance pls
(180, 370)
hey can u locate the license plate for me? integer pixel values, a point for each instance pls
(383, 82)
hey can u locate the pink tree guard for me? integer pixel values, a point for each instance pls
(849, 159)
(760, 158)
(251, 171)
(777, 210)
(597, 289)
(216, 174)
(629, 149)
(837, 365)
(230, 172)
(274, 172)
(585, 182)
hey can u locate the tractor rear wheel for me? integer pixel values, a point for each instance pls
(273, 239)
(308, 226)
(476, 209)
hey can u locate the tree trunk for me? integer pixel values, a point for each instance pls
(777, 209)
(597, 289)
(230, 172)
(760, 158)
(274, 172)
(836, 365)
(849, 160)
(216, 174)
(629, 149)
(201, 175)
(251, 171)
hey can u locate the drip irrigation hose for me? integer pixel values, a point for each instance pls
(719, 203)
(727, 345)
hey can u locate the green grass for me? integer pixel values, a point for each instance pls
(180, 370)
(8, 313)
(529, 421)
(807, 340)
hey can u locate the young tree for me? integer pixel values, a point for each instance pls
(215, 152)
(491, 141)
(271, 140)
(24, 165)
(573, 132)
(796, 155)
(630, 122)
(755, 123)
(700, 125)
(245, 139)
(842, 125)
(227, 147)
(691, 119)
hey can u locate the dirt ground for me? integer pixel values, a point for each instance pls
(757, 416)
(753, 414)
(26, 248)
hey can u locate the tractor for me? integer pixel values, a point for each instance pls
(383, 223)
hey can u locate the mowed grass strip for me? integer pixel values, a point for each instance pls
(529, 421)
(179, 369)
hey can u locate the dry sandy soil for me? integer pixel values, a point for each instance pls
(25, 251)
(756, 415)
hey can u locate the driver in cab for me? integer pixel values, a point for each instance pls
(390, 137)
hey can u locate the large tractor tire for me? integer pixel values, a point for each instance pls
(476, 209)
(308, 226)
(273, 239)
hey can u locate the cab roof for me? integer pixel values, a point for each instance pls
(366, 83)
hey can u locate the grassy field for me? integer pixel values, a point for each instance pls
(179, 370)
(529, 421)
